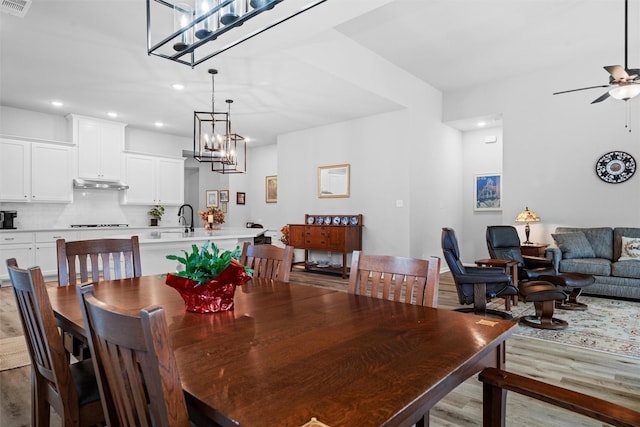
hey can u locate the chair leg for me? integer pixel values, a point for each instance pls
(41, 409)
(544, 317)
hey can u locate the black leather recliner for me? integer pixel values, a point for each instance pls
(476, 285)
(503, 243)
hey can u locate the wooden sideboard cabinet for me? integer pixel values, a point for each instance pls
(329, 238)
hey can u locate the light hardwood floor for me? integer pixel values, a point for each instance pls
(600, 374)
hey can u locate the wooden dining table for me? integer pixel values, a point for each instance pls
(287, 352)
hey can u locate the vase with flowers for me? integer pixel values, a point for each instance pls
(213, 218)
(209, 279)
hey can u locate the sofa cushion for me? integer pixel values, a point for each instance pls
(630, 269)
(595, 266)
(574, 245)
(600, 238)
(630, 249)
(618, 234)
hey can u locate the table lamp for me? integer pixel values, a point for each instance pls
(527, 216)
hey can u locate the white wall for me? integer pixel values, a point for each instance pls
(551, 145)
(478, 158)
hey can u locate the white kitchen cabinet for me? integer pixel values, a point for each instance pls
(46, 256)
(15, 171)
(18, 246)
(153, 180)
(35, 172)
(100, 145)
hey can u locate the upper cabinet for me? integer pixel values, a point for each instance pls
(35, 171)
(153, 180)
(100, 146)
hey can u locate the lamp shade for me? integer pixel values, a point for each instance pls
(527, 216)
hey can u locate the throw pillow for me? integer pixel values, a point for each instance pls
(630, 249)
(574, 245)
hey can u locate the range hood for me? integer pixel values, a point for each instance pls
(99, 185)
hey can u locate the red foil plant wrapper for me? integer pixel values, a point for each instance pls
(209, 281)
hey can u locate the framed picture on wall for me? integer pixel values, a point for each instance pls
(211, 196)
(223, 207)
(487, 192)
(224, 196)
(271, 189)
(240, 198)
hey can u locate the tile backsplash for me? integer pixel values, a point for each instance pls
(88, 207)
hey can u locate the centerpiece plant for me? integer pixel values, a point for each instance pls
(208, 281)
(202, 265)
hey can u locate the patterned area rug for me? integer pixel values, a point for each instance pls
(13, 353)
(608, 325)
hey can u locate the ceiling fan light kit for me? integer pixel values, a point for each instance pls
(203, 29)
(625, 81)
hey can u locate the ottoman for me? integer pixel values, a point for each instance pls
(571, 284)
(543, 295)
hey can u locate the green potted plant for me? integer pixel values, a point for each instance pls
(208, 281)
(156, 214)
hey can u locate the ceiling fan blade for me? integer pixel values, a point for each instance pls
(601, 98)
(617, 72)
(582, 88)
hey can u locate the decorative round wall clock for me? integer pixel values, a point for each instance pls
(616, 167)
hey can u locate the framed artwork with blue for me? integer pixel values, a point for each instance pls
(487, 192)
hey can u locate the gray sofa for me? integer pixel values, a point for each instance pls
(597, 251)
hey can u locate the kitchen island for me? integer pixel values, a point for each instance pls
(31, 246)
(156, 245)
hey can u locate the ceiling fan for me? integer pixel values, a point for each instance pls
(625, 81)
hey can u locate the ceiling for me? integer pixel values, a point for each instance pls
(91, 55)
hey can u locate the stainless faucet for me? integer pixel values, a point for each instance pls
(180, 215)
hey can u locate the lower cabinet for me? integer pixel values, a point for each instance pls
(32, 249)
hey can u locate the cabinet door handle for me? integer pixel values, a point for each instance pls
(9, 238)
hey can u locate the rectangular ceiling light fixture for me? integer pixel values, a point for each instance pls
(193, 31)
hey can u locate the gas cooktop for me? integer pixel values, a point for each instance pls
(97, 225)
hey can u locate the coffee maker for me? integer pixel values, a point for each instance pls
(6, 219)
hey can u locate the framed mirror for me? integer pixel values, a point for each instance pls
(333, 181)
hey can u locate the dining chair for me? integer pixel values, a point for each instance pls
(497, 382)
(409, 280)
(136, 368)
(86, 260)
(70, 389)
(89, 259)
(268, 261)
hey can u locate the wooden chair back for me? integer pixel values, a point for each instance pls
(88, 260)
(268, 261)
(409, 280)
(497, 382)
(54, 383)
(137, 372)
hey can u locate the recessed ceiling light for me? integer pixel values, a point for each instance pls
(158, 124)
(482, 124)
(177, 86)
(112, 114)
(57, 103)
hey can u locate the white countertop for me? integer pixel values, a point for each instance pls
(177, 235)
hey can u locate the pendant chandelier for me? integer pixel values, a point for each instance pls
(213, 140)
(197, 24)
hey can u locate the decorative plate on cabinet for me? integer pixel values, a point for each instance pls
(354, 220)
(344, 220)
(319, 220)
(311, 220)
(336, 220)
(615, 167)
(327, 220)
